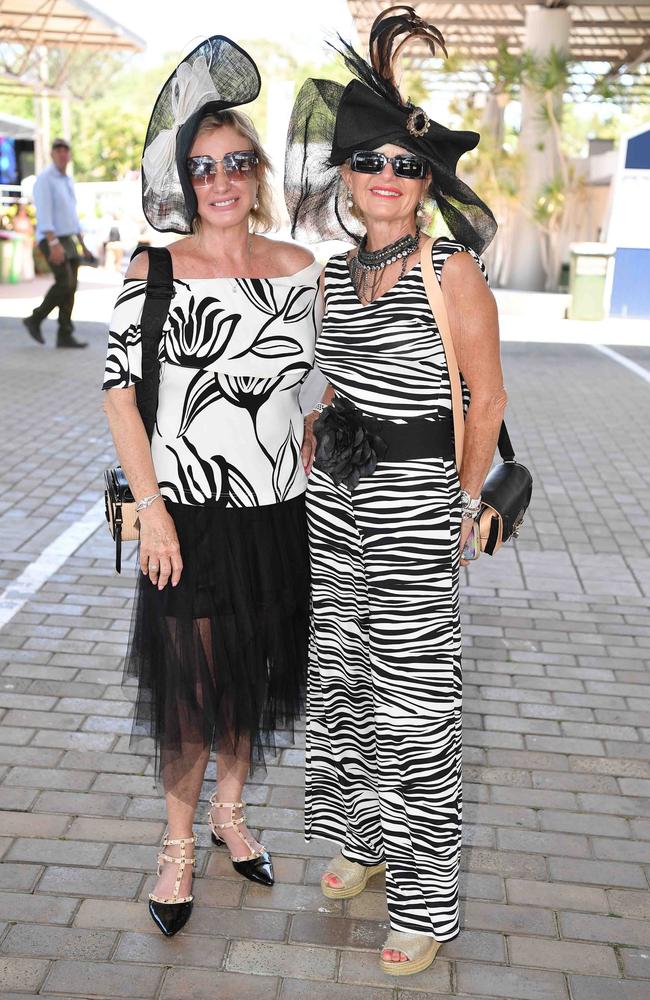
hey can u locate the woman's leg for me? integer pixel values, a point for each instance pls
(183, 767)
(182, 790)
(411, 560)
(341, 772)
(232, 770)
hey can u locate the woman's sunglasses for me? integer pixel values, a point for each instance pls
(367, 161)
(236, 166)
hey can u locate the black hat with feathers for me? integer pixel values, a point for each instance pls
(329, 122)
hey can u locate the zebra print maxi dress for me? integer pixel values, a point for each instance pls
(383, 768)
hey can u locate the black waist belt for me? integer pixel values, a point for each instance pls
(417, 438)
(349, 443)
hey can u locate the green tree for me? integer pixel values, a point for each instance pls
(107, 142)
(556, 203)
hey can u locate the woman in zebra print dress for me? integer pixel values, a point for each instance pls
(385, 686)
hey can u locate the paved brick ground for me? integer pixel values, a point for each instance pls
(557, 738)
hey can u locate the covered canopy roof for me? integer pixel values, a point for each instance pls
(59, 23)
(17, 128)
(615, 37)
(44, 42)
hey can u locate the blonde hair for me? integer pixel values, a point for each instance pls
(262, 218)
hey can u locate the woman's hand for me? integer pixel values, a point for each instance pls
(466, 526)
(160, 553)
(308, 449)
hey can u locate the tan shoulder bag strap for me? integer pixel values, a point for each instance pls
(439, 310)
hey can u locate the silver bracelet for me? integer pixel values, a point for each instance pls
(146, 502)
(470, 506)
(318, 407)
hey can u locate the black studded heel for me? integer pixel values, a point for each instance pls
(172, 913)
(256, 865)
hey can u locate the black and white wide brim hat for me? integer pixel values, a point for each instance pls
(215, 76)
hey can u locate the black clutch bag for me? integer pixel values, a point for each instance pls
(120, 511)
(505, 497)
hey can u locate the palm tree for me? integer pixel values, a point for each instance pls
(555, 205)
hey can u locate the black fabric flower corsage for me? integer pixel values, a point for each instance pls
(348, 443)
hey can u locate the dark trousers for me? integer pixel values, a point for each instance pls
(62, 292)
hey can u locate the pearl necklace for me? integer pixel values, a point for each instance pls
(366, 266)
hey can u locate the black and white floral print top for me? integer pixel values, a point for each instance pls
(233, 355)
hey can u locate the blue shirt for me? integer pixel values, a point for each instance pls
(56, 204)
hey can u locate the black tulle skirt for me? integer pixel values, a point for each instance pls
(220, 660)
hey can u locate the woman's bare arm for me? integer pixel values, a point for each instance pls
(475, 333)
(131, 441)
(158, 539)
(309, 441)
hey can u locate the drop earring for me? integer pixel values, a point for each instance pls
(420, 211)
(349, 200)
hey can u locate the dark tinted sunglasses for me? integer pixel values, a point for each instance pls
(236, 166)
(367, 161)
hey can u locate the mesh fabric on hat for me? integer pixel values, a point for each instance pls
(314, 194)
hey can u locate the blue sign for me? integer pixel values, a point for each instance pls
(629, 228)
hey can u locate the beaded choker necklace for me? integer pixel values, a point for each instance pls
(366, 267)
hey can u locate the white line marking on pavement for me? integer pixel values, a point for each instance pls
(32, 578)
(622, 360)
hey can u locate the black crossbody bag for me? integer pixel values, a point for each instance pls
(123, 522)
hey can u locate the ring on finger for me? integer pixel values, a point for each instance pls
(154, 567)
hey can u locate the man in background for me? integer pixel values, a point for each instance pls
(58, 232)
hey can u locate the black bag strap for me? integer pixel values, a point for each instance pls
(504, 444)
(158, 295)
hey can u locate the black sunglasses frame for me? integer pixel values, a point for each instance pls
(230, 165)
(395, 162)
